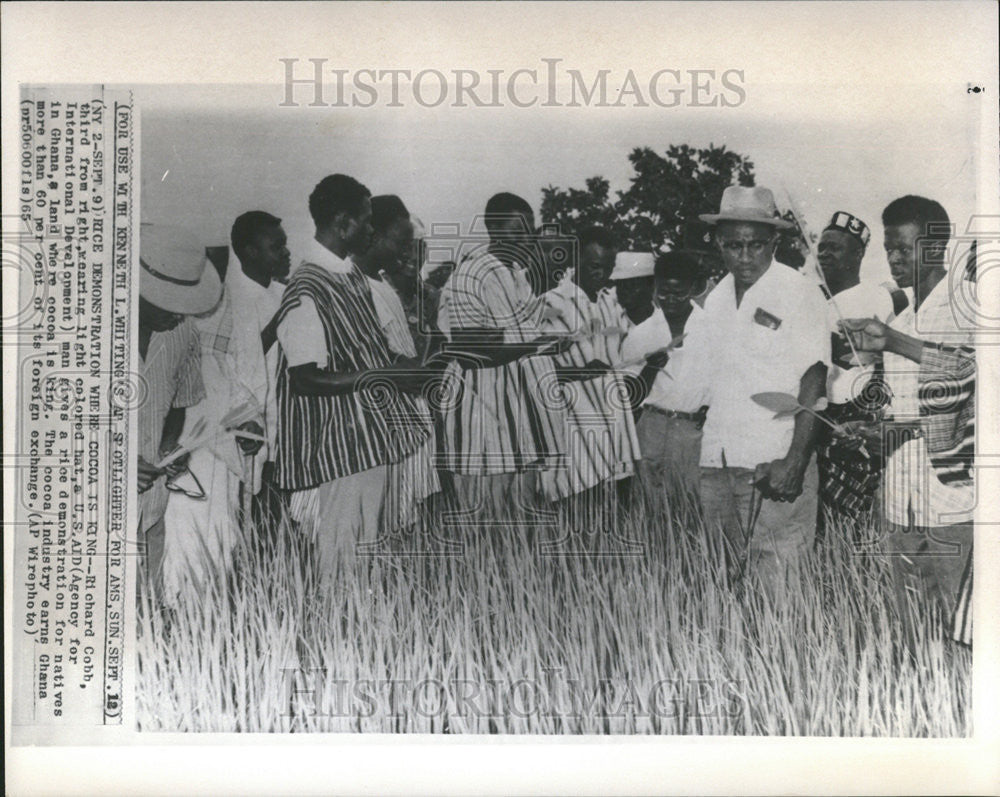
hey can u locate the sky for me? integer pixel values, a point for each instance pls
(836, 113)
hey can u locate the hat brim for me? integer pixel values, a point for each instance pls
(715, 218)
(184, 299)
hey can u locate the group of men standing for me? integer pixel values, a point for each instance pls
(536, 379)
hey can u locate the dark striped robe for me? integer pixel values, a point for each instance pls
(498, 420)
(947, 398)
(600, 435)
(322, 438)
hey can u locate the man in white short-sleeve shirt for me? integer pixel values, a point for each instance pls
(764, 330)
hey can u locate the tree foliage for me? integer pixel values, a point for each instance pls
(659, 209)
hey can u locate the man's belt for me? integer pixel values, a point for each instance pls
(698, 418)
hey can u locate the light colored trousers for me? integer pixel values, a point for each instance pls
(772, 543)
(340, 514)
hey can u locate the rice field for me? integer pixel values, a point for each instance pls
(521, 627)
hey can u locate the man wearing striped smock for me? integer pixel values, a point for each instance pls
(928, 493)
(343, 415)
(501, 412)
(411, 481)
(601, 442)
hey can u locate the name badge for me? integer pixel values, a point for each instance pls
(765, 319)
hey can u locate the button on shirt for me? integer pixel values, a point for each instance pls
(673, 388)
(766, 344)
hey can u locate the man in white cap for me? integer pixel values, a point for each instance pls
(628, 300)
(175, 282)
(764, 330)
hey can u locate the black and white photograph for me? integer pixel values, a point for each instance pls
(554, 373)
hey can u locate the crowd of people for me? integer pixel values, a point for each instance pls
(531, 373)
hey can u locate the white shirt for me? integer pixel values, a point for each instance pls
(253, 308)
(673, 388)
(910, 480)
(392, 318)
(864, 300)
(737, 356)
(300, 332)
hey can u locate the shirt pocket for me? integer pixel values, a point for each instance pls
(763, 342)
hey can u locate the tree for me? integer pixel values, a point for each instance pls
(660, 208)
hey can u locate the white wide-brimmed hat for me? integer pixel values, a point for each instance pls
(176, 275)
(633, 264)
(741, 203)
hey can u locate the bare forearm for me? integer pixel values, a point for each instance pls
(904, 345)
(310, 380)
(173, 425)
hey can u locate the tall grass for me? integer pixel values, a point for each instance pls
(514, 629)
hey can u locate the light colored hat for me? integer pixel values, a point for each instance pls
(755, 204)
(176, 275)
(633, 264)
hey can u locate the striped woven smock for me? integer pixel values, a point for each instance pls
(613, 316)
(600, 430)
(322, 438)
(497, 420)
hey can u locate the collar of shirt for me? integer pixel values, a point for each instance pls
(319, 255)
(725, 291)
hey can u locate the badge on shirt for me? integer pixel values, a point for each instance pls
(765, 319)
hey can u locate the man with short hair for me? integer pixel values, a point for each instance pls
(175, 282)
(343, 414)
(928, 511)
(410, 482)
(849, 476)
(239, 378)
(673, 405)
(601, 443)
(763, 331)
(497, 423)
(597, 259)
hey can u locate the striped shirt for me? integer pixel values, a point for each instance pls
(613, 315)
(322, 438)
(171, 372)
(600, 430)
(497, 420)
(914, 491)
(408, 482)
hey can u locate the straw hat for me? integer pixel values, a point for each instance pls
(633, 264)
(175, 273)
(755, 204)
